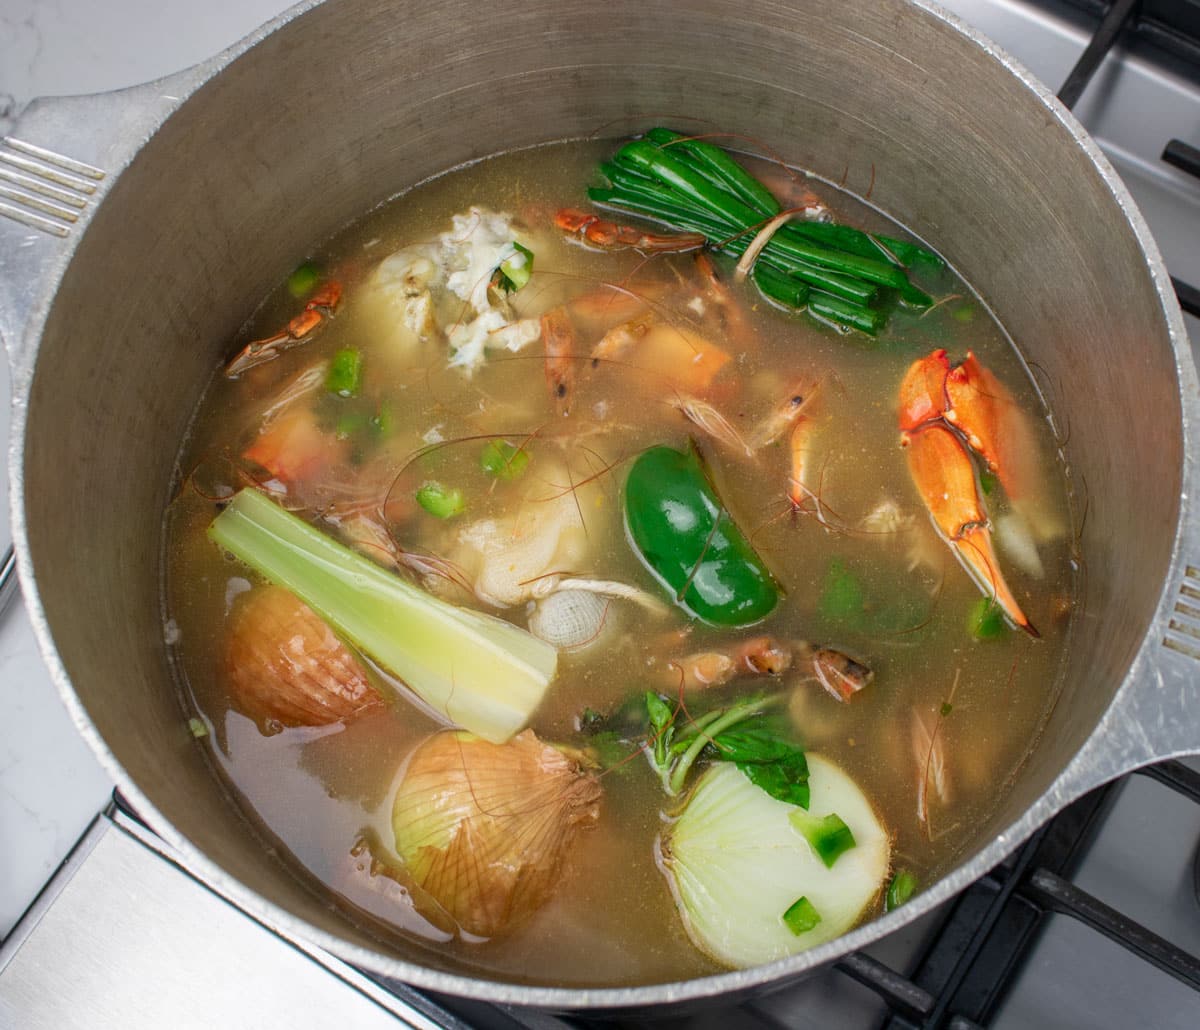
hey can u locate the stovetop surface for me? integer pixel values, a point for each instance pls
(51, 787)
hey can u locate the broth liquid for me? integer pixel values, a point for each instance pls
(315, 792)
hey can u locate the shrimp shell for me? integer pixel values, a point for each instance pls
(708, 419)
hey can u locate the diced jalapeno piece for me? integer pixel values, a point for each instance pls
(345, 373)
(441, 501)
(501, 459)
(304, 280)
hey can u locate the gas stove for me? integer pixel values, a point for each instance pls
(1094, 922)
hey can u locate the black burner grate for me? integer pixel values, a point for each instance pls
(1171, 25)
(1175, 27)
(990, 931)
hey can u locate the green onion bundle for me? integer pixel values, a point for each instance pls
(841, 274)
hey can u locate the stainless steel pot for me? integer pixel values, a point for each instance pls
(156, 218)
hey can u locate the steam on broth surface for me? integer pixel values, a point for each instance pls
(398, 427)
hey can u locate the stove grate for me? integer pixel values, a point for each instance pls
(991, 929)
(1173, 26)
(1175, 29)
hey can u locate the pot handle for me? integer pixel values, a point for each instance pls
(1156, 712)
(57, 163)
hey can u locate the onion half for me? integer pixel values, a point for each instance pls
(736, 863)
(484, 829)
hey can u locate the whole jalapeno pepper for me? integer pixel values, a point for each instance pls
(689, 541)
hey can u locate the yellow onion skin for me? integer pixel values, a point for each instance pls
(484, 829)
(285, 667)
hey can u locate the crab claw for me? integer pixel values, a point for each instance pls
(995, 427)
(258, 352)
(328, 296)
(923, 391)
(942, 471)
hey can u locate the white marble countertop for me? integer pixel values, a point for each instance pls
(50, 785)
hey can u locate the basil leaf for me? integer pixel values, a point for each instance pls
(661, 718)
(758, 742)
(771, 762)
(784, 781)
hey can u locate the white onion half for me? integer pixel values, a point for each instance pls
(736, 864)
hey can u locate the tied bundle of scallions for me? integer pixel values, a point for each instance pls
(841, 274)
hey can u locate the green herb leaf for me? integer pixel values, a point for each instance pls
(659, 712)
(304, 280)
(501, 459)
(764, 740)
(829, 836)
(198, 728)
(842, 594)
(515, 272)
(441, 501)
(344, 377)
(946, 708)
(695, 186)
(770, 761)
(987, 482)
(985, 620)
(785, 781)
(902, 887)
(661, 718)
(741, 734)
(801, 916)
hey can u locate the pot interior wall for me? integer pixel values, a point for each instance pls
(357, 99)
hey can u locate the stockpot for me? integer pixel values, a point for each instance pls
(160, 215)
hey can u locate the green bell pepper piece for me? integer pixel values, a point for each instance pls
(689, 541)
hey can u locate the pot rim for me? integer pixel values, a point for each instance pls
(1066, 787)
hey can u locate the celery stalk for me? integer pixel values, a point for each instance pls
(480, 672)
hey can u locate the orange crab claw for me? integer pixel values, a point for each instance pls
(941, 468)
(300, 326)
(923, 391)
(996, 428)
(328, 296)
(258, 352)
